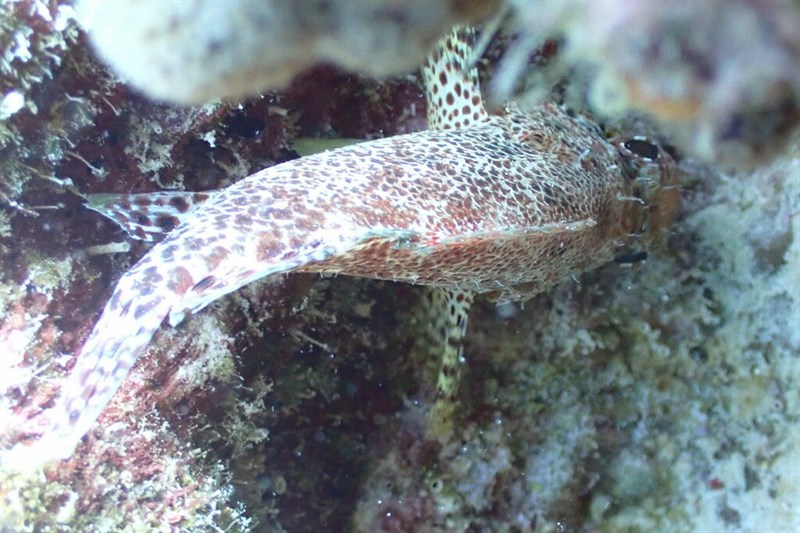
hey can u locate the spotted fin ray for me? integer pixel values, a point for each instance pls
(446, 323)
(147, 216)
(150, 216)
(452, 88)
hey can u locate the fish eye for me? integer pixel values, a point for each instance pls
(642, 147)
(631, 258)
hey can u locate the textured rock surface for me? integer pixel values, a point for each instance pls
(724, 83)
(659, 398)
(195, 51)
(656, 399)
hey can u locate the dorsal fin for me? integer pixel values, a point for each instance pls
(452, 88)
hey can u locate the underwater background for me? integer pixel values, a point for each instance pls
(662, 397)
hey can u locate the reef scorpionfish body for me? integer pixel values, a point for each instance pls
(508, 204)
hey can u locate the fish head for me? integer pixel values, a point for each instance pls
(652, 185)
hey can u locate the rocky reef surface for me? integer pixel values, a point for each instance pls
(655, 398)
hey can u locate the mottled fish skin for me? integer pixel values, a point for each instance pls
(509, 205)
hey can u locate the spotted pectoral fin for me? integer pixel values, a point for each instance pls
(149, 216)
(451, 83)
(447, 316)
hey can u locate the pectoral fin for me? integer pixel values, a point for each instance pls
(446, 323)
(148, 216)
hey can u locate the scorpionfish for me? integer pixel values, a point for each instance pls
(508, 204)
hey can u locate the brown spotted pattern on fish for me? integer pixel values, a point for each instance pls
(147, 217)
(453, 90)
(448, 316)
(508, 205)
